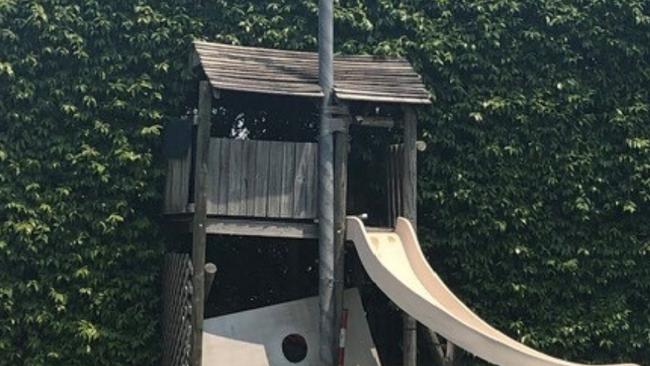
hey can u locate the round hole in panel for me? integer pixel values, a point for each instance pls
(294, 348)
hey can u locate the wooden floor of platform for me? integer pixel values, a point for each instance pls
(216, 225)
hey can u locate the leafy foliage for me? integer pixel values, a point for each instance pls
(535, 189)
(533, 194)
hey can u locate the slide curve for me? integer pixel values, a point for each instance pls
(395, 262)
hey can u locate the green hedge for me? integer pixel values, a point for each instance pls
(534, 189)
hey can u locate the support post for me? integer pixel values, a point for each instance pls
(200, 218)
(327, 321)
(210, 273)
(341, 146)
(409, 210)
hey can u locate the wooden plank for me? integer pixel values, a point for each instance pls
(213, 178)
(236, 191)
(308, 70)
(260, 84)
(177, 188)
(262, 163)
(249, 60)
(263, 228)
(395, 162)
(288, 178)
(223, 178)
(238, 72)
(375, 121)
(250, 171)
(409, 173)
(367, 93)
(305, 178)
(199, 219)
(389, 78)
(391, 186)
(171, 198)
(351, 82)
(397, 181)
(220, 49)
(297, 79)
(253, 58)
(271, 91)
(275, 180)
(369, 90)
(382, 99)
(176, 197)
(312, 208)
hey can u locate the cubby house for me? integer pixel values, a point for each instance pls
(245, 187)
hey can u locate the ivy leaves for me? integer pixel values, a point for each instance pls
(534, 189)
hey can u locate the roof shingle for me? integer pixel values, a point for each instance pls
(295, 73)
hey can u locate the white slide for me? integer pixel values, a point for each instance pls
(395, 262)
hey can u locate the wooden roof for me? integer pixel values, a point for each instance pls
(294, 73)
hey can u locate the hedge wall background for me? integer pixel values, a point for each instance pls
(534, 191)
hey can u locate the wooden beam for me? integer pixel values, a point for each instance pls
(409, 210)
(210, 273)
(375, 121)
(247, 227)
(199, 219)
(262, 228)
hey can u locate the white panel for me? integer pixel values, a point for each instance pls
(254, 337)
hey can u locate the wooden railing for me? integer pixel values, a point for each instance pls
(249, 178)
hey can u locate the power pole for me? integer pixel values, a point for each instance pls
(328, 318)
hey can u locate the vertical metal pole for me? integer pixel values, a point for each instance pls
(327, 321)
(409, 210)
(200, 217)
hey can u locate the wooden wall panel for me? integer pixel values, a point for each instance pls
(249, 179)
(262, 179)
(213, 178)
(236, 201)
(221, 172)
(305, 185)
(275, 180)
(395, 164)
(177, 184)
(262, 165)
(288, 172)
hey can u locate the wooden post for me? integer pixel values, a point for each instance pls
(200, 218)
(341, 146)
(210, 273)
(409, 210)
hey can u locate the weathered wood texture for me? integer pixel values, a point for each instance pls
(341, 152)
(394, 172)
(264, 179)
(201, 173)
(409, 167)
(177, 310)
(177, 184)
(401, 185)
(269, 71)
(409, 211)
(271, 228)
(262, 228)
